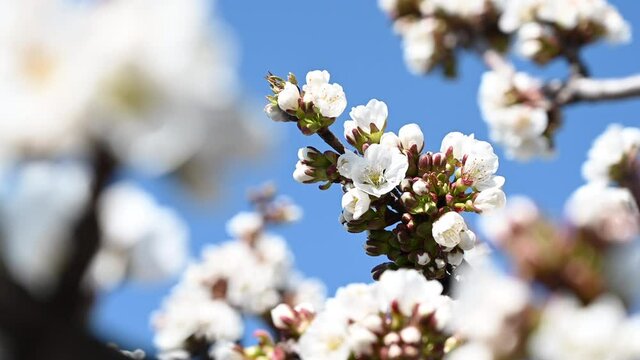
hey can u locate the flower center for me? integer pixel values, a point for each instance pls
(334, 343)
(375, 176)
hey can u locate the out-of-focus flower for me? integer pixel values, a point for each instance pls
(515, 110)
(49, 75)
(520, 212)
(141, 239)
(245, 225)
(600, 330)
(487, 304)
(166, 98)
(609, 211)
(190, 312)
(41, 201)
(609, 151)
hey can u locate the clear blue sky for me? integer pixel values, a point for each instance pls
(352, 39)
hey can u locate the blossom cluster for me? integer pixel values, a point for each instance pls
(546, 28)
(389, 180)
(314, 107)
(402, 316)
(498, 317)
(432, 30)
(78, 76)
(517, 112)
(249, 275)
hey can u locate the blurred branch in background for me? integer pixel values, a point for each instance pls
(92, 91)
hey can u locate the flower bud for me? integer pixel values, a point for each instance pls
(283, 316)
(410, 135)
(288, 98)
(356, 202)
(275, 113)
(420, 187)
(410, 335)
(302, 173)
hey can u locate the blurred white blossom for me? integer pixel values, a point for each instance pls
(600, 330)
(141, 239)
(609, 150)
(41, 202)
(609, 211)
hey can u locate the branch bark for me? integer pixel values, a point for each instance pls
(331, 140)
(593, 90)
(69, 298)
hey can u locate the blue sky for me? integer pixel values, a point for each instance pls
(353, 41)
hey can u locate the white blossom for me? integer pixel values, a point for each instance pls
(568, 15)
(419, 45)
(610, 211)
(191, 312)
(462, 8)
(409, 288)
(329, 99)
(363, 116)
(288, 97)
(142, 239)
(245, 225)
(49, 71)
(378, 172)
(471, 350)
(281, 314)
(490, 199)
(517, 125)
(40, 204)
(600, 330)
(520, 211)
(481, 163)
(326, 338)
(449, 229)
(486, 300)
(356, 202)
(609, 150)
(165, 99)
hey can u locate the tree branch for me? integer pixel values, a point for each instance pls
(331, 140)
(68, 298)
(592, 90)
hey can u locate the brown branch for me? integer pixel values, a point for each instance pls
(331, 140)
(68, 298)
